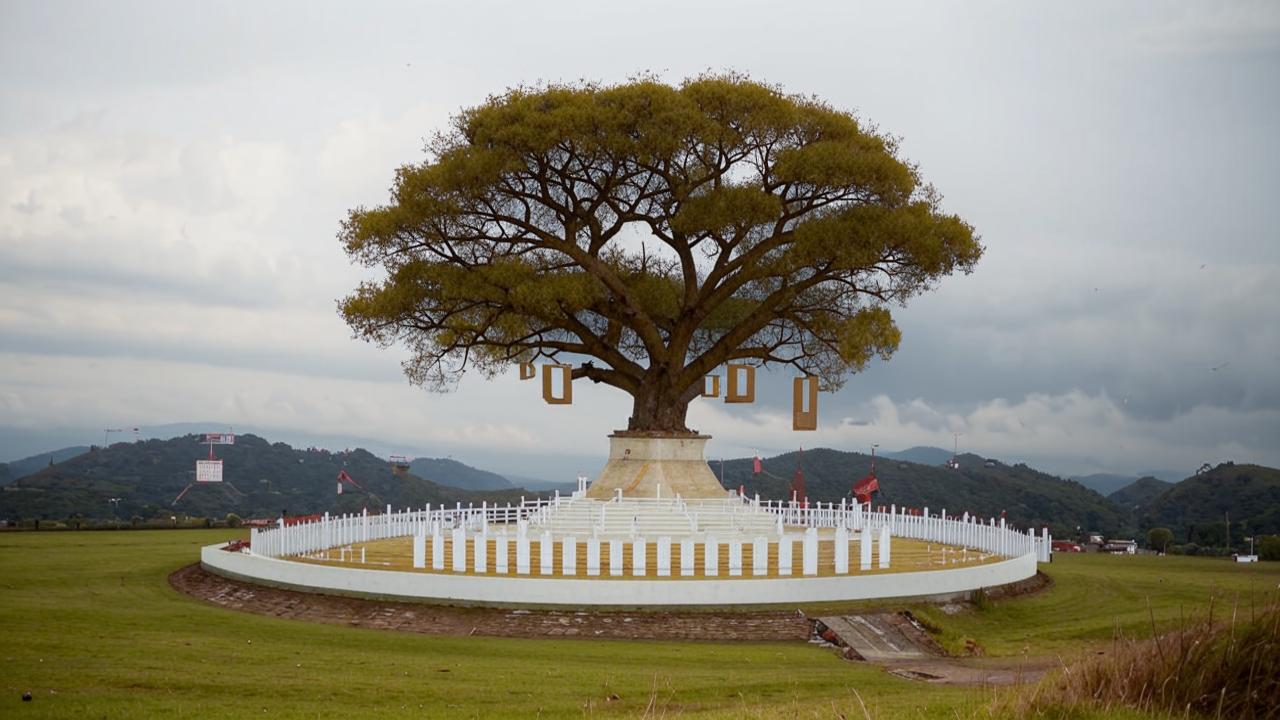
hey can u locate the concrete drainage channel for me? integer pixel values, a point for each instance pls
(877, 637)
(900, 645)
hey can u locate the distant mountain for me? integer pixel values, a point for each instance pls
(540, 484)
(18, 469)
(1106, 483)
(1170, 476)
(922, 455)
(260, 479)
(1140, 493)
(446, 471)
(1029, 497)
(1197, 508)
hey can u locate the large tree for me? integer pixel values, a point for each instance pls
(648, 234)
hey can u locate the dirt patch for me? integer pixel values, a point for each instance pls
(428, 619)
(973, 671)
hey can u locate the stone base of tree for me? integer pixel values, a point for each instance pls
(645, 465)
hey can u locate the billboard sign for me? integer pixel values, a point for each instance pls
(220, 438)
(208, 471)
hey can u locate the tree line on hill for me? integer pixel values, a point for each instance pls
(145, 479)
(140, 481)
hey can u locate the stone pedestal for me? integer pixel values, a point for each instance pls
(642, 467)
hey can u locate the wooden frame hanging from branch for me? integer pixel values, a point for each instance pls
(804, 403)
(566, 375)
(740, 392)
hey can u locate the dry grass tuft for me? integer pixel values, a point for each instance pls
(1218, 668)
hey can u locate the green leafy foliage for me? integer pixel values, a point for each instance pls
(1159, 539)
(773, 230)
(1269, 547)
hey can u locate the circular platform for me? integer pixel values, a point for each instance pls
(637, 552)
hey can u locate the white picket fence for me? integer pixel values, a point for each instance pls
(533, 521)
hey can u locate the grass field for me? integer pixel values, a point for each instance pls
(91, 628)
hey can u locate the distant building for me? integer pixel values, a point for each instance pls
(1121, 547)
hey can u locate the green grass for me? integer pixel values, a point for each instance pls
(90, 626)
(1096, 596)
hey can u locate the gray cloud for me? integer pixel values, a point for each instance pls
(172, 177)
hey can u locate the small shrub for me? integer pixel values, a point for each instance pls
(1269, 547)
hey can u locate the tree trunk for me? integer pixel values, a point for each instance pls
(660, 408)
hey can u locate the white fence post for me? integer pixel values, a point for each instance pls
(842, 551)
(546, 554)
(480, 550)
(710, 557)
(501, 553)
(639, 557)
(522, 554)
(885, 542)
(459, 547)
(593, 556)
(735, 557)
(420, 551)
(784, 554)
(810, 551)
(615, 557)
(437, 549)
(760, 556)
(569, 556)
(686, 557)
(664, 556)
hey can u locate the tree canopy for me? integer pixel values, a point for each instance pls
(647, 234)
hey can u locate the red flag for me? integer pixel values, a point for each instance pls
(863, 488)
(756, 465)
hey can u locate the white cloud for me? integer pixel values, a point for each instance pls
(1073, 432)
(167, 230)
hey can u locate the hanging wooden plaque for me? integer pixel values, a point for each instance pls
(741, 383)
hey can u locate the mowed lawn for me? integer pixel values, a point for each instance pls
(1095, 597)
(92, 629)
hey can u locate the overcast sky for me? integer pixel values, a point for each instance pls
(172, 177)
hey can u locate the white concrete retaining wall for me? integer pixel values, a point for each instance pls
(628, 592)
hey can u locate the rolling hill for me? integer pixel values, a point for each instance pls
(921, 455)
(260, 479)
(1196, 509)
(446, 471)
(1029, 497)
(1140, 493)
(18, 469)
(1106, 483)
